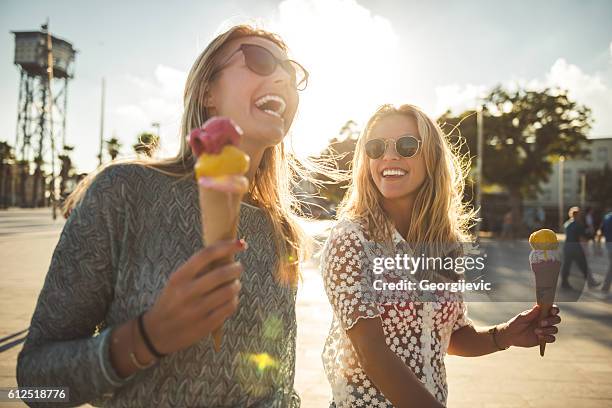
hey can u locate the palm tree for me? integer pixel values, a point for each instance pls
(113, 146)
(147, 144)
(6, 156)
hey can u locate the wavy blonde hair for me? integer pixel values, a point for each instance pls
(278, 170)
(439, 216)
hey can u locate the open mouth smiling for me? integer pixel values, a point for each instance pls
(271, 104)
(393, 173)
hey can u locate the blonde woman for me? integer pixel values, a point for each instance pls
(386, 348)
(130, 263)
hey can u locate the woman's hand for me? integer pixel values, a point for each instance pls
(196, 300)
(523, 329)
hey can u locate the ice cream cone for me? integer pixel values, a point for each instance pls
(220, 215)
(545, 265)
(546, 275)
(219, 170)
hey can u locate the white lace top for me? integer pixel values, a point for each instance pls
(417, 325)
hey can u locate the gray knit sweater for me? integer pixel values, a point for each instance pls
(133, 228)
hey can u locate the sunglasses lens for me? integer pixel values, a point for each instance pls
(375, 148)
(263, 62)
(259, 60)
(407, 146)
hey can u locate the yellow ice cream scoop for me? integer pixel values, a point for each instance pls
(231, 161)
(544, 239)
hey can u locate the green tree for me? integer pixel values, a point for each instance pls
(524, 133)
(147, 144)
(113, 146)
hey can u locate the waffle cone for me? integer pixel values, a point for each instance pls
(546, 276)
(220, 215)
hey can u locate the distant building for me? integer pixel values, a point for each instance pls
(601, 154)
(17, 183)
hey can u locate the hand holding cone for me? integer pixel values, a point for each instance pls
(545, 264)
(219, 170)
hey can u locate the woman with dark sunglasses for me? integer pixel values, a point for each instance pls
(386, 345)
(130, 267)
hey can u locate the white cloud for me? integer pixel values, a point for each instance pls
(571, 77)
(172, 81)
(134, 112)
(155, 100)
(457, 97)
(592, 90)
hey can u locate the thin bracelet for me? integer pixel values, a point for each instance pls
(146, 338)
(493, 332)
(135, 361)
(138, 365)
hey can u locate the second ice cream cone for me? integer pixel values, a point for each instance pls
(546, 275)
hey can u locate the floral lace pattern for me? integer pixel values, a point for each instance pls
(417, 331)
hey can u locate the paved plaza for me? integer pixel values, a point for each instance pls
(576, 372)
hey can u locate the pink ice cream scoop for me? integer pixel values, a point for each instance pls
(213, 135)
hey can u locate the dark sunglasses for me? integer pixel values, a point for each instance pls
(262, 62)
(405, 146)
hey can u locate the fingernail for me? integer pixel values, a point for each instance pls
(242, 243)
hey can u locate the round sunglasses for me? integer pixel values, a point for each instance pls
(262, 62)
(405, 146)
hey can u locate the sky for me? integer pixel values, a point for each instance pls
(360, 54)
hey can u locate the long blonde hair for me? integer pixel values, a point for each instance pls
(277, 171)
(439, 216)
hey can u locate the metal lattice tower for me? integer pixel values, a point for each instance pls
(46, 64)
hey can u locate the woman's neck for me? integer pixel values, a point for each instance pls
(255, 152)
(399, 211)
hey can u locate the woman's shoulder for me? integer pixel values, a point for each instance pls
(118, 183)
(134, 172)
(132, 177)
(347, 232)
(346, 242)
(346, 226)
